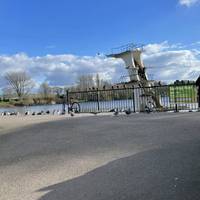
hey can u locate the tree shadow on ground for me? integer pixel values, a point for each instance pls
(160, 174)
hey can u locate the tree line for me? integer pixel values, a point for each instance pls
(22, 90)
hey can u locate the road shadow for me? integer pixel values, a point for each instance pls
(166, 173)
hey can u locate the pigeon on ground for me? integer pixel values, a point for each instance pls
(116, 112)
(47, 112)
(13, 113)
(71, 114)
(27, 113)
(128, 111)
(95, 113)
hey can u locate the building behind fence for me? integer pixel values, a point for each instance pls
(180, 96)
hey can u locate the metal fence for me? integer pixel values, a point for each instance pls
(138, 99)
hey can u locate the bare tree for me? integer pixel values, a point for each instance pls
(45, 90)
(20, 82)
(58, 91)
(85, 82)
(101, 83)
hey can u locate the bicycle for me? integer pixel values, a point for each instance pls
(150, 107)
(74, 106)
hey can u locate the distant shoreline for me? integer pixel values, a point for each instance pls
(23, 105)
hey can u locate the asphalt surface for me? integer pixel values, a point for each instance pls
(142, 156)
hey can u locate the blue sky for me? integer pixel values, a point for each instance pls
(39, 27)
(31, 30)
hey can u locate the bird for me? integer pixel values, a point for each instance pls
(40, 113)
(116, 112)
(71, 114)
(13, 113)
(58, 112)
(63, 112)
(33, 113)
(95, 113)
(128, 111)
(47, 112)
(27, 113)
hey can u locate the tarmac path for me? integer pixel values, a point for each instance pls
(141, 156)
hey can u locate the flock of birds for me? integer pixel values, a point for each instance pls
(48, 112)
(115, 111)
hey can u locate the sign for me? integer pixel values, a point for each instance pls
(183, 93)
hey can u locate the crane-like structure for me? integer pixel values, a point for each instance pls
(131, 55)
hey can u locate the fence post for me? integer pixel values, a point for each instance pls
(67, 100)
(134, 99)
(175, 99)
(98, 106)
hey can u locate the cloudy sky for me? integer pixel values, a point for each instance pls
(55, 41)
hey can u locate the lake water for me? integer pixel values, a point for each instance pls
(32, 109)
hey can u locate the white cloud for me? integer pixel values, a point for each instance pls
(61, 69)
(155, 48)
(171, 64)
(165, 61)
(188, 3)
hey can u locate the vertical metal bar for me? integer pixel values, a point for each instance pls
(67, 97)
(67, 100)
(175, 100)
(133, 99)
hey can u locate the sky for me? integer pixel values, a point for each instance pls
(56, 41)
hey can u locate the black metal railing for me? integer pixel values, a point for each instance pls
(138, 99)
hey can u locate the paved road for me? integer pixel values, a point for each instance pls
(154, 157)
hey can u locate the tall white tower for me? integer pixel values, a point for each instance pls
(131, 55)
